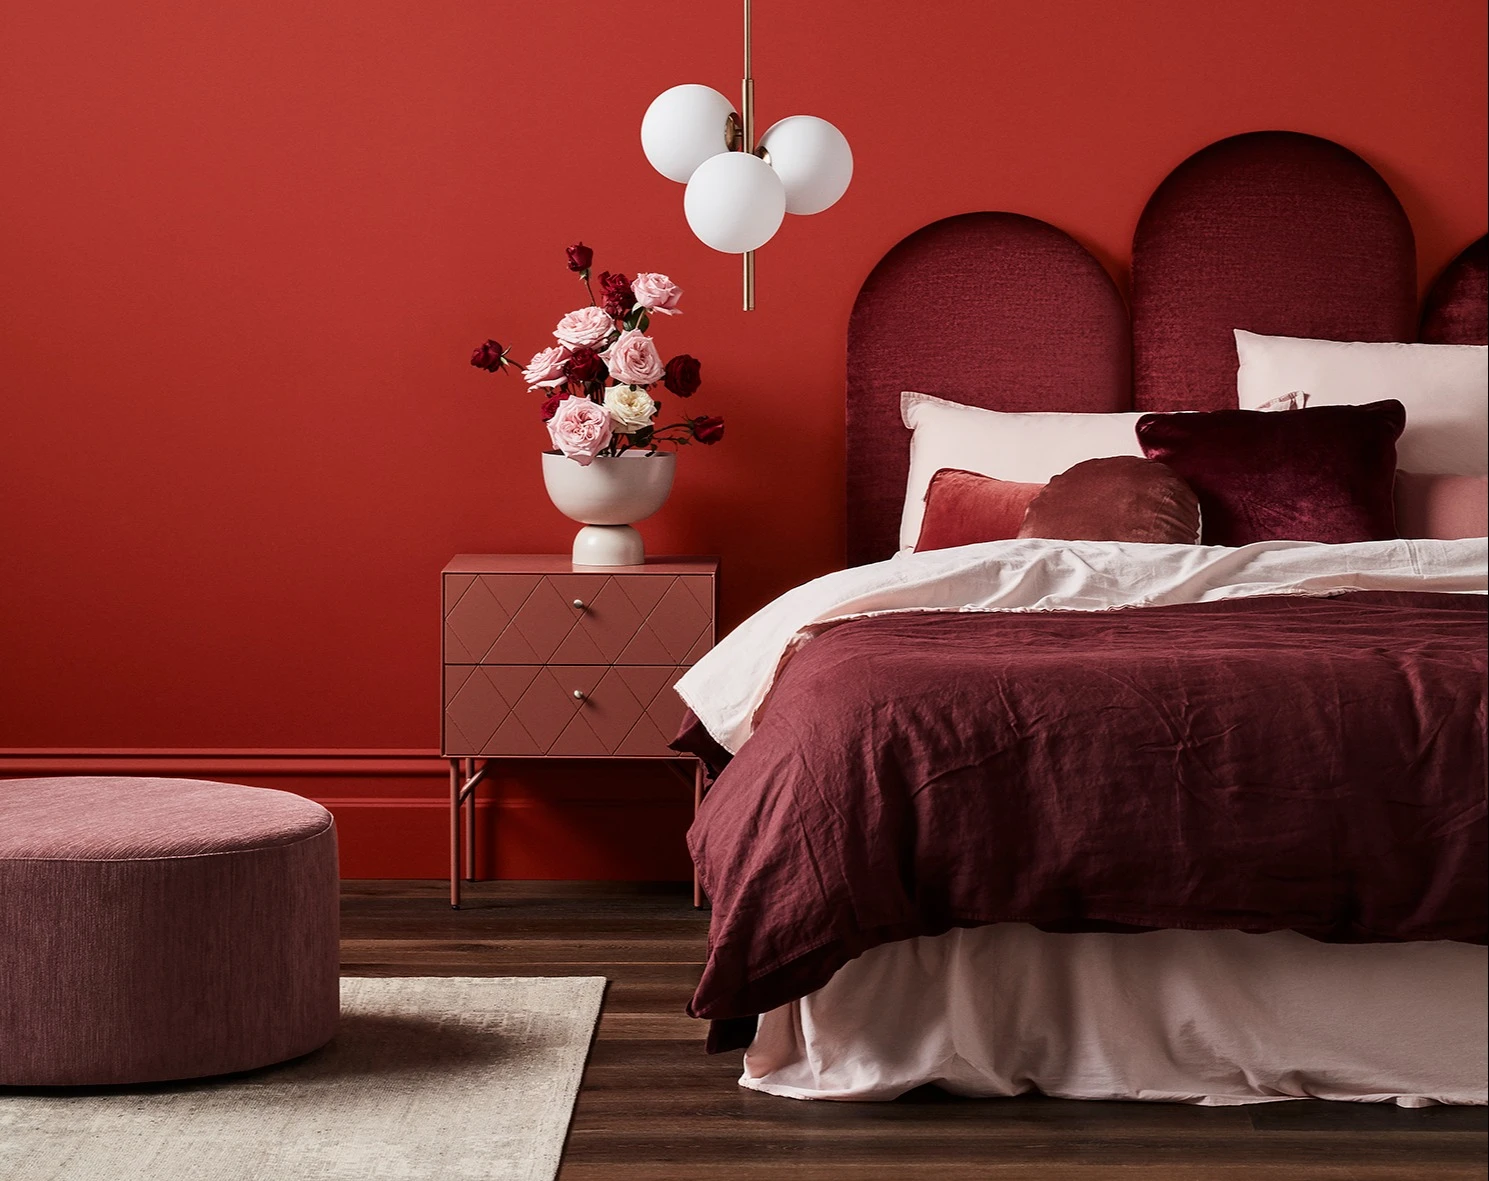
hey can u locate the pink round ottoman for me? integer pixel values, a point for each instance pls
(155, 929)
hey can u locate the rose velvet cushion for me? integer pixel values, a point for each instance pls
(1121, 498)
(963, 508)
(1020, 448)
(1319, 474)
(1443, 507)
(155, 929)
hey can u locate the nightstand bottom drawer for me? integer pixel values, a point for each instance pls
(558, 710)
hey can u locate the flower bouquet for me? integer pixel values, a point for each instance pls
(611, 463)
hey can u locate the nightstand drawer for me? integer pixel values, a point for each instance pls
(581, 619)
(561, 711)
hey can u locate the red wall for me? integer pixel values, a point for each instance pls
(248, 246)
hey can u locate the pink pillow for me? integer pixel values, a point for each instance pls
(1444, 507)
(963, 508)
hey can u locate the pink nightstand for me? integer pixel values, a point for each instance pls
(546, 659)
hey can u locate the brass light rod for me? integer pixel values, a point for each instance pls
(748, 144)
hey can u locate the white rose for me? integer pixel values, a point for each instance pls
(630, 407)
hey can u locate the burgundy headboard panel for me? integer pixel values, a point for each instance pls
(1457, 307)
(990, 309)
(1272, 231)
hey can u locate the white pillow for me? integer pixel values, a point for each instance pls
(1444, 387)
(1025, 448)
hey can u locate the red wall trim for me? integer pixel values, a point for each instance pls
(553, 821)
(21, 761)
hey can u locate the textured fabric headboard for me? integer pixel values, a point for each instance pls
(990, 309)
(1272, 231)
(1278, 233)
(1456, 310)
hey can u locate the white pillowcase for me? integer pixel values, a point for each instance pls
(1025, 448)
(1444, 387)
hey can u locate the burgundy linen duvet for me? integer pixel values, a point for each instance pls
(1258, 764)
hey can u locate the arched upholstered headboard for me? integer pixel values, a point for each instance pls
(991, 309)
(1273, 231)
(1456, 310)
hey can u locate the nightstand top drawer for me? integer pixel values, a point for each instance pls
(560, 564)
(589, 618)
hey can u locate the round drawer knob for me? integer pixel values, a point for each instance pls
(578, 694)
(578, 604)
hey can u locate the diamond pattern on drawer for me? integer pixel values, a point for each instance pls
(476, 617)
(662, 709)
(528, 619)
(520, 710)
(673, 626)
(478, 699)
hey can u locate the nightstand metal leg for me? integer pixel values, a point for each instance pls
(470, 823)
(455, 834)
(697, 803)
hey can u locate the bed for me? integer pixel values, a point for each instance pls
(1156, 901)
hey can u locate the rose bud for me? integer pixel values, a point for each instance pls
(550, 405)
(490, 357)
(683, 375)
(708, 430)
(616, 296)
(580, 257)
(585, 365)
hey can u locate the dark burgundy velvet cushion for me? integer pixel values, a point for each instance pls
(963, 508)
(988, 309)
(1321, 474)
(1121, 498)
(1456, 310)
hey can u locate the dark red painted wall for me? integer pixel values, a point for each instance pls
(247, 247)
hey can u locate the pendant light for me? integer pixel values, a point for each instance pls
(739, 191)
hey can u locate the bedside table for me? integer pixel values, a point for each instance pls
(546, 659)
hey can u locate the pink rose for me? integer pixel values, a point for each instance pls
(546, 370)
(633, 359)
(585, 329)
(657, 293)
(579, 428)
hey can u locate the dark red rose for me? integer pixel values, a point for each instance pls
(490, 357)
(580, 257)
(616, 296)
(683, 375)
(550, 405)
(585, 365)
(708, 430)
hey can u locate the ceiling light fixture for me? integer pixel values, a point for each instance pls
(739, 191)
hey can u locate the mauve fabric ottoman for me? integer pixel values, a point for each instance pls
(155, 929)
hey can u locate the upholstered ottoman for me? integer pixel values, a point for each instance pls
(157, 929)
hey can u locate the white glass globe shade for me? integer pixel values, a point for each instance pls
(683, 127)
(813, 160)
(735, 202)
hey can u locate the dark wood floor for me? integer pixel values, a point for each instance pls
(654, 1106)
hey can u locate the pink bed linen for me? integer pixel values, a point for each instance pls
(1208, 1017)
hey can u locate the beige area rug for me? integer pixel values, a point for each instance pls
(428, 1078)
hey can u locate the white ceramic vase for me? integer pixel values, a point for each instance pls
(607, 496)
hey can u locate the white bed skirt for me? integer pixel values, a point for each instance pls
(1214, 1017)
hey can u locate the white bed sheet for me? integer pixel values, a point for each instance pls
(1208, 1017)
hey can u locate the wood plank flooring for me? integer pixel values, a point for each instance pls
(654, 1107)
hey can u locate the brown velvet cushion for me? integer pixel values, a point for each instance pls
(1122, 498)
(963, 508)
(1324, 473)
